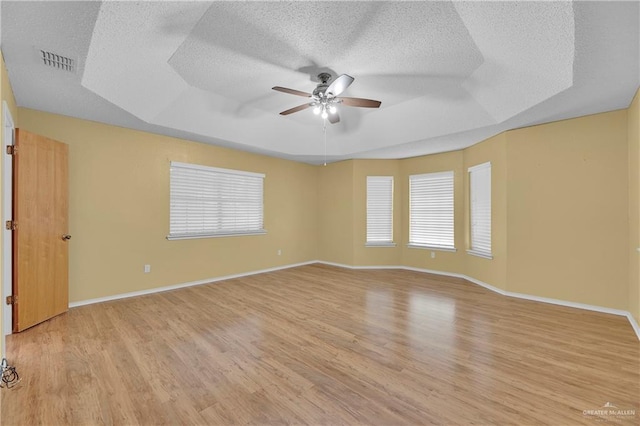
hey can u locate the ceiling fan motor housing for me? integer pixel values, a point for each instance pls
(321, 88)
(324, 77)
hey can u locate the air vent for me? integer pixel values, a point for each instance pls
(60, 62)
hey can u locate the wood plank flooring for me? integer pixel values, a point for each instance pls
(324, 345)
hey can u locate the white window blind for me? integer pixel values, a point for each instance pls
(209, 202)
(431, 210)
(480, 209)
(379, 210)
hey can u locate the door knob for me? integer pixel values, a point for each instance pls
(66, 237)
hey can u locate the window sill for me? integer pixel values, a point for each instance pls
(435, 248)
(390, 244)
(482, 254)
(228, 234)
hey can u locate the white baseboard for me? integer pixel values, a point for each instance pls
(342, 265)
(584, 306)
(634, 324)
(183, 285)
(487, 286)
(595, 308)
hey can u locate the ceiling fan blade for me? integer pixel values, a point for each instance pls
(333, 118)
(292, 91)
(340, 84)
(295, 109)
(360, 102)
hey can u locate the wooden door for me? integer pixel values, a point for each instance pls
(40, 239)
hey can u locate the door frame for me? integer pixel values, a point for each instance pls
(8, 129)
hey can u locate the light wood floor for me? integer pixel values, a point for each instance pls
(323, 345)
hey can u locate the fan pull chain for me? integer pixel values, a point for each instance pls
(324, 127)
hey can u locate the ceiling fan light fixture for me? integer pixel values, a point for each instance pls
(324, 113)
(316, 110)
(332, 109)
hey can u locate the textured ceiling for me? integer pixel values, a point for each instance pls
(449, 74)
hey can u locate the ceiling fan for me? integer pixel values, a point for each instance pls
(325, 97)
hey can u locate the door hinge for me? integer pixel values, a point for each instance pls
(11, 300)
(12, 149)
(10, 225)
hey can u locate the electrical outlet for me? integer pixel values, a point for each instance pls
(279, 252)
(147, 269)
(433, 254)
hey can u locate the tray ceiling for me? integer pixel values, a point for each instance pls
(449, 74)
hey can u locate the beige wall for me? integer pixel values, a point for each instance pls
(366, 256)
(559, 211)
(119, 209)
(6, 94)
(342, 226)
(633, 134)
(421, 258)
(491, 271)
(336, 212)
(567, 210)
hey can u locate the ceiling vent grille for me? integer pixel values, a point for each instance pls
(60, 62)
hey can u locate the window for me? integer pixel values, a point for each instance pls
(431, 211)
(210, 202)
(480, 209)
(380, 211)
